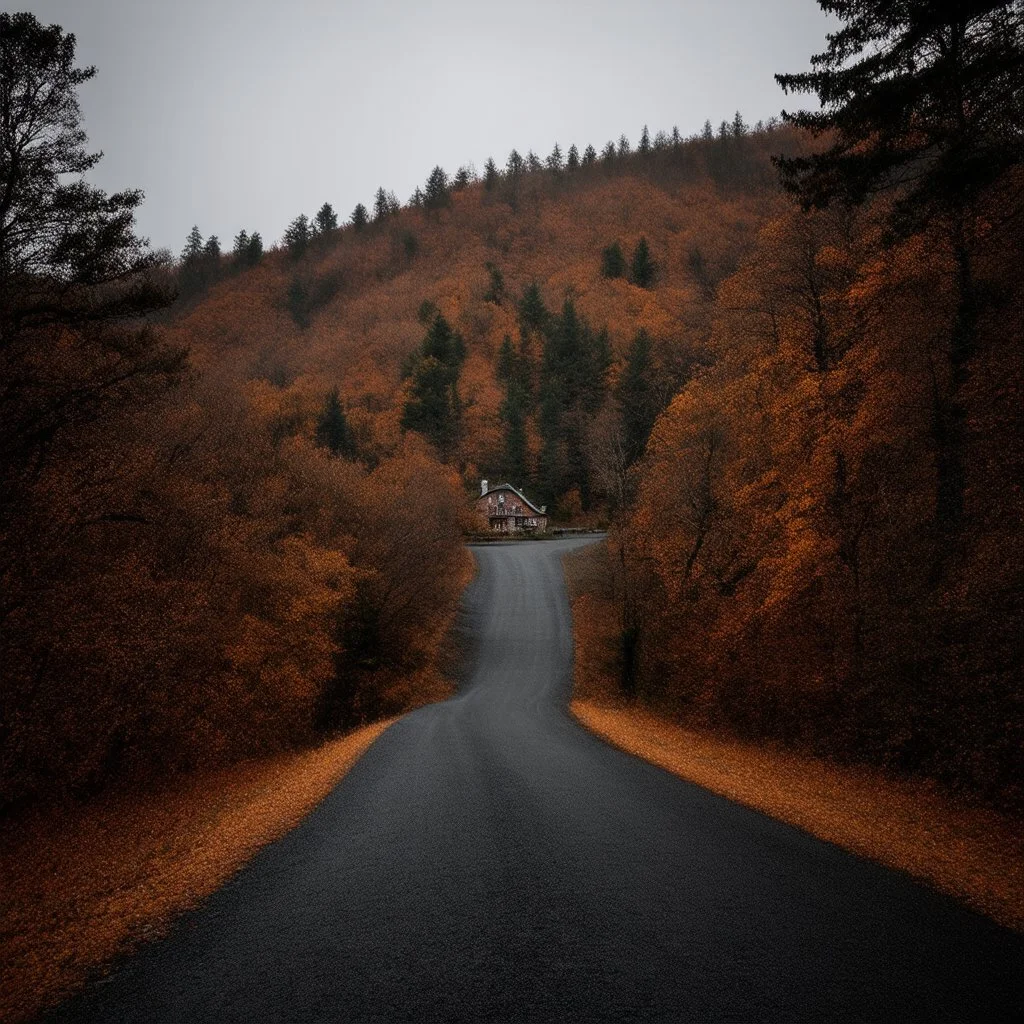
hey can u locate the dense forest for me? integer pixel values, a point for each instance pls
(782, 362)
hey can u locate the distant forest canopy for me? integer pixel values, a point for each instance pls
(203, 262)
(235, 521)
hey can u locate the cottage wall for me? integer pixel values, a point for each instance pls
(503, 511)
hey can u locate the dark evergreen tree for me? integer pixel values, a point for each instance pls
(297, 236)
(515, 449)
(643, 269)
(211, 251)
(639, 396)
(192, 266)
(515, 167)
(381, 206)
(514, 372)
(332, 430)
(624, 148)
(572, 387)
(437, 194)
(416, 199)
(360, 218)
(739, 126)
(462, 179)
(240, 249)
(533, 314)
(707, 132)
(608, 155)
(572, 160)
(555, 162)
(533, 162)
(922, 99)
(496, 286)
(677, 139)
(433, 407)
(326, 219)
(300, 305)
(644, 146)
(192, 254)
(490, 174)
(589, 156)
(255, 248)
(613, 262)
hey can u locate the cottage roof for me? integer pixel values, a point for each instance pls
(515, 491)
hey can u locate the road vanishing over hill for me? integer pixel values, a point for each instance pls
(488, 859)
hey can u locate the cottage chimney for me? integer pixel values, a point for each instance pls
(483, 487)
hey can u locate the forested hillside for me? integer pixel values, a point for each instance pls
(235, 521)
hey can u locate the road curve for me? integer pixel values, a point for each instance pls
(488, 859)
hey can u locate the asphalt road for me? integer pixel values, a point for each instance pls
(488, 859)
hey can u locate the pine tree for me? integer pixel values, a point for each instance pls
(573, 369)
(644, 146)
(623, 149)
(211, 251)
(608, 154)
(490, 174)
(496, 288)
(326, 219)
(381, 206)
(589, 156)
(533, 314)
(533, 162)
(707, 133)
(677, 139)
(255, 248)
(360, 218)
(462, 179)
(638, 395)
(416, 199)
(555, 162)
(193, 251)
(572, 160)
(437, 193)
(923, 99)
(513, 370)
(643, 269)
(515, 166)
(240, 249)
(297, 236)
(332, 430)
(739, 126)
(192, 270)
(433, 407)
(613, 262)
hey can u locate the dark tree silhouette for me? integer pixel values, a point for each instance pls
(297, 236)
(437, 194)
(326, 219)
(490, 174)
(332, 430)
(643, 269)
(613, 262)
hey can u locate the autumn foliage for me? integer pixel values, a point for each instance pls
(238, 524)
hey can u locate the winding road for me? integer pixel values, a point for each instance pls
(488, 859)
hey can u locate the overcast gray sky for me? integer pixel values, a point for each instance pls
(244, 113)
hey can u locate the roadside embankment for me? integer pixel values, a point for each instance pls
(93, 881)
(974, 854)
